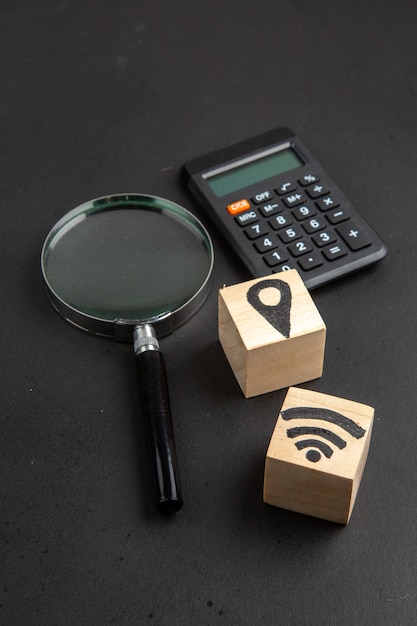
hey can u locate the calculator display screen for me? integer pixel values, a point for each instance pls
(250, 171)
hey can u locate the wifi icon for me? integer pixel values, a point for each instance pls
(317, 439)
(317, 454)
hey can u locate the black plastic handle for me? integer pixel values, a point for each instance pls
(153, 387)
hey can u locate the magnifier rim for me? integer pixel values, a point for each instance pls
(121, 328)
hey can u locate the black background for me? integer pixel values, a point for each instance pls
(98, 97)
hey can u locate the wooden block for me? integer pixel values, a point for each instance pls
(317, 455)
(271, 332)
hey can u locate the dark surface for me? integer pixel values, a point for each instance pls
(104, 97)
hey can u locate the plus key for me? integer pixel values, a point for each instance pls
(353, 235)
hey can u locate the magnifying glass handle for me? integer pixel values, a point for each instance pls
(150, 365)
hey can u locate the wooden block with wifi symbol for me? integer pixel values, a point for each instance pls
(317, 454)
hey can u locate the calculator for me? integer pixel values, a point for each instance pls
(279, 209)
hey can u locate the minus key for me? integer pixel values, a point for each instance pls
(337, 215)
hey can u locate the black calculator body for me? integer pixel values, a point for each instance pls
(279, 209)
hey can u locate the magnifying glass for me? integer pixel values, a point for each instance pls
(124, 266)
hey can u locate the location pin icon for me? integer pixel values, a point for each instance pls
(278, 315)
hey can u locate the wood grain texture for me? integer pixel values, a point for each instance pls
(324, 487)
(262, 358)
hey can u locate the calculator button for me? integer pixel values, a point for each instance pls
(323, 239)
(263, 196)
(297, 248)
(304, 211)
(308, 179)
(256, 230)
(294, 198)
(238, 207)
(335, 251)
(286, 267)
(265, 244)
(290, 234)
(247, 218)
(279, 221)
(270, 209)
(337, 216)
(353, 236)
(275, 258)
(317, 190)
(286, 188)
(310, 261)
(313, 225)
(329, 202)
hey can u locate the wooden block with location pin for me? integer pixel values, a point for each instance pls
(271, 332)
(317, 455)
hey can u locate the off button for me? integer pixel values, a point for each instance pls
(263, 196)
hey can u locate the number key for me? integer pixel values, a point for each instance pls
(275, 258)
(256, 230)
(312, 226)
(324, 238)
(297, 248)
(265, 244)
(279, 221)
(304, 211)
(290, 234)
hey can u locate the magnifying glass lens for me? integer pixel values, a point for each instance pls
(126, 263)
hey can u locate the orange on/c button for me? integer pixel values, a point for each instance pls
(238, 207)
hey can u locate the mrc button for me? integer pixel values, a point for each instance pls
(247, 218)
